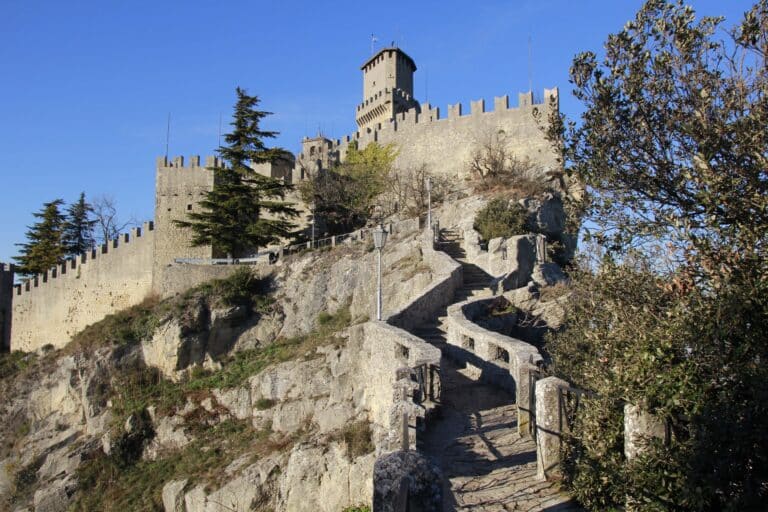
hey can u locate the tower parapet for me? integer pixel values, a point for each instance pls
(387, 87)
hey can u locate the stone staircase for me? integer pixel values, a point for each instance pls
(486, 465)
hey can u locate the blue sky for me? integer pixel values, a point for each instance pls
(86, 86)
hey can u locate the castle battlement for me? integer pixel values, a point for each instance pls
(427, 114)
(395, 93)
(74, 267)
(177, 163)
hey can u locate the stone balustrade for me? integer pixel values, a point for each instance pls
(505, 361)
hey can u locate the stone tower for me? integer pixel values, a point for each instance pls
(387, 87)
(6, 305)
(178, 190)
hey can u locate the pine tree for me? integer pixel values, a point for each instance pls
(44, 248)
(232, 219)
(77, 237)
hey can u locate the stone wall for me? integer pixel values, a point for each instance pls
(6, 307)
(50, 308)
(448, 277)
(445, 145)
(386, 351)
(178, 189)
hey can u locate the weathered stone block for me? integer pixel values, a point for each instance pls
(550, 426)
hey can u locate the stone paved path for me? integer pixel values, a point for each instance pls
(486, 465)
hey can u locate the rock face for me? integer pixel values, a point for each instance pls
(305, 405)
(318, 283)
(406, 481)
(200, 336)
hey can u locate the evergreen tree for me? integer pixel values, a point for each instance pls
(77, 237)
(44, 247)
(233, 219)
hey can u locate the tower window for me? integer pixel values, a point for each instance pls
(189, 207)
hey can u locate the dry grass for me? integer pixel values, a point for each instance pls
(357, 437)
(554, 292)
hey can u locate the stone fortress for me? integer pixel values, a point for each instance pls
(51, 307)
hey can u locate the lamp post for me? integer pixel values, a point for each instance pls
(379, 239)
(313, 223)
(429, 202)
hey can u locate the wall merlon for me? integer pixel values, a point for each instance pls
(525, 99)
(477, 107)
(500, 103)
(194, 161)
(410, 117)
(429, 114)
(454, 111)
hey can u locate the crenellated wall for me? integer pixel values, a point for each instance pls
(50, 307)
(178, 190)
(445, 144)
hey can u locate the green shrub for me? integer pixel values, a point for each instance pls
(13, 363)
(262, 404)
(500, 218)
(358, 508)
(126, 327)
(108, 485)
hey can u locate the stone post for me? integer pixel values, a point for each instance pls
(524, 389)
(550, 426)
(541, 249)
(639, 426)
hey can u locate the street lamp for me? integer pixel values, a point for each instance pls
(379, 239)
(429, 202)
(313, 206)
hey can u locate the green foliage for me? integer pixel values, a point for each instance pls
(44, 248)
(242, 288)
(108, 485)
(245, 210)
(501, 218)
(683, 356)
(673, 149)
(136, 323)
(344, 197)
(358, 508)
(77, 235)
(13, 363)
(262, 404)
(126, 327)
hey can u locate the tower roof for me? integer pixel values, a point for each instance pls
(389, 49)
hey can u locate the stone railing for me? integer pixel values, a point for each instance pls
(404, 385)
(557, 404)
(447, 278)
(272, 255)
(504, 361)
(411, 365)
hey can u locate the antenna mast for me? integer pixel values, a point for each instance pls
(219, 130)
(167, 134)
(530, 66)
